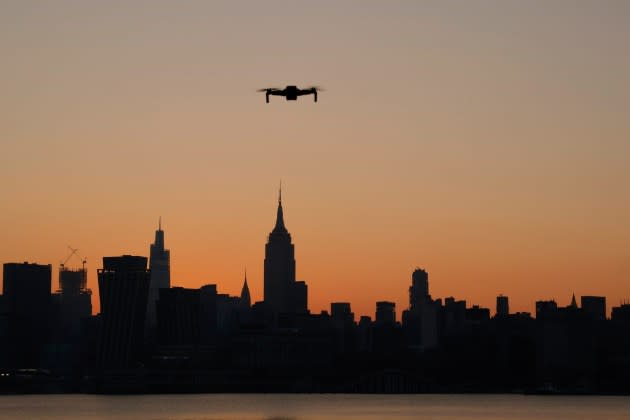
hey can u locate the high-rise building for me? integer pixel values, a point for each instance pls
(420, 321)
(208, 313)
(341, 312)
(453, 315)
(594, 307)
(546, 308)
(26, 289)
(178, 314)
(71, 310)
(503, 306)
(282, 293)
(385, 313)
(73, 301)
(419, 289)
(123, 285)
(160, 266)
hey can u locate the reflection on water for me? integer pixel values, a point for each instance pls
(312, 407)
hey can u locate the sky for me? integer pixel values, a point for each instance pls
(485, 141)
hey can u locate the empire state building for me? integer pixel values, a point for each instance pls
(282, 293)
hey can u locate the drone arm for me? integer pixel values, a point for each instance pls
(267, 96)
(314, 96)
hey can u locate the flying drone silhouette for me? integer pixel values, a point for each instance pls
(291, 92)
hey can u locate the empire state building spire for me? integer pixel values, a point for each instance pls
(280, 228)
(283, 293)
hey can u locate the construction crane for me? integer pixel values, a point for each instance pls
(73, 251)
(72, 281)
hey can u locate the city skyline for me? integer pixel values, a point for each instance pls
(159, 257)
(486, 141)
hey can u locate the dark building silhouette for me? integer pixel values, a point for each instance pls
(26, 289)
(477, 314)
(545, 308)
(453, 316)
(71, 307)
(594, 307)
(419, 289)
(228, 314)
(566, 344)
(282, 293)
(4, 334)
(123, 284)
(245, 303)
(160, 266)
(420, 321)
(503, 306)
(73, 300)
(341, 312)
(179, 316)
(208, 313)
(385, 313)
(246, 300)
(621, 313)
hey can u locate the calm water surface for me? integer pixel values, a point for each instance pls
(312, 407)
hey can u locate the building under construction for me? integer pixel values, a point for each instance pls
(73, 299)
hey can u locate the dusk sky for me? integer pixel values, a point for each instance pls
(486, 141)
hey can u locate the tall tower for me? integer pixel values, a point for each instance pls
(246, 300)
(503, 306)
(419, 290)
(282, 293)
(26, 289)
(160, 266)
(123, 285)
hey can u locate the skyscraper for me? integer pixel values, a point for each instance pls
(160, 266)
(385, 313)
(503, 306)
(594, 307)
(123, 285)
(27, 298)
(73, 301)
(421, 320)
(419, 289)
(282, 293)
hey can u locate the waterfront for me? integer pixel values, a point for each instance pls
(312, 407)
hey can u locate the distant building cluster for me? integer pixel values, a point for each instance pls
(151, 337)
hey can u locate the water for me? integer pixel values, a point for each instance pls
(313, 407)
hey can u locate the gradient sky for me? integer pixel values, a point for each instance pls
(486, 141)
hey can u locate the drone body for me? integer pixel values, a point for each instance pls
(291, 93)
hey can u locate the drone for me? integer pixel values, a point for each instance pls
(291, 92)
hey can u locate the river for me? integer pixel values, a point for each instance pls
(312, 407)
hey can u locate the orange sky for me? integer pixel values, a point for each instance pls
(487, 142)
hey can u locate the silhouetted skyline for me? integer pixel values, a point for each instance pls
(199, 339)
(281, 289)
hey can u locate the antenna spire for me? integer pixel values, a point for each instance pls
(160, 223)
(280, 216)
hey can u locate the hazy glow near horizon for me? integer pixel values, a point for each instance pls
(486, 141)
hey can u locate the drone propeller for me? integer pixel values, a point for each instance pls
(317, 88)
(267, 89)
